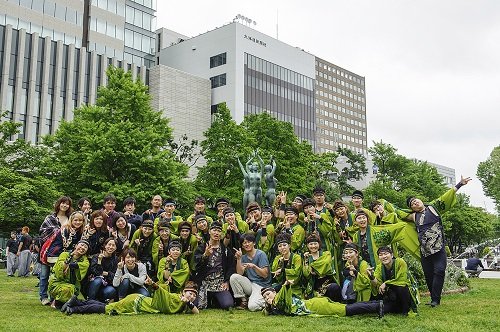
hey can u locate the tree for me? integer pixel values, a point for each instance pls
(120, 145)
(26, 194)
(488, 173)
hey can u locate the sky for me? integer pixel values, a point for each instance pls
(432, 68)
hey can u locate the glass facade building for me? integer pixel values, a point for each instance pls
(284, 94)
(117, 28)
(42, 80)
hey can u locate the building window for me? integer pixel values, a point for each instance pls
(218, 60)
(218, 80)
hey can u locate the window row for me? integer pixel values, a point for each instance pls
(138, 41)
(113, 6)
(140, 18)
(218, 80)
(218, 60)
(101, 25)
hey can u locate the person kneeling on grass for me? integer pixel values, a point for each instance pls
(285, 302)
(162, 302)
(394, 283)
(68, 272)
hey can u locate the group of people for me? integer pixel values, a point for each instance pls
(306, 257)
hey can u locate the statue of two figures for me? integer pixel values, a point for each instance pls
(253, 172)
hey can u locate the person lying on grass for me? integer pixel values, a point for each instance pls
(162, 302)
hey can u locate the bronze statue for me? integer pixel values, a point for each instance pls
(271, 181)
(252, 176)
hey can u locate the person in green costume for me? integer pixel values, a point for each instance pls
(357, 201)
(202, 228)
(386, 214)
(369, 238)
(173, 270)
(290, 226)
(342, 221)
(285, 302)
(168, 214)
(356, 286)
(160, 243)
(68, 272)
(232, 228)
(188, 242)
(320, 199)
(287, 265)
(320, 224)
(320, 277)
(264, 238)
(393, 283)
(162, 302)
(142, 242)
(431, 237)
(199, 208)
(221, 204)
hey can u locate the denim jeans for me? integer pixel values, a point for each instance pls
(44, 281)
(97, 291)
(126, 287)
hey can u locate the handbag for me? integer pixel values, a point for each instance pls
(45, 248)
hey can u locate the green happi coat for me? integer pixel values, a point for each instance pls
(324, 228)
(362, 284)
(322, 267)
(377, 236)
(64, 284)
(179, 272)
(156, 245)
(162, 302)
(288, 303)
(401, 277)
(267, 246)
(240, 224)
(292, 271)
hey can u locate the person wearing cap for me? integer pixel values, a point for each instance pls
(287, 265)
(162, 302)
(168, 214)
(356, 284)
(160, 243)
(215, 264)
(155, 210)
(199, 208)
(285, 302)
(102, 271)
(392, 282)
(252, 273)
(68, 272)
(427, 218)
(369, 238)
(319, 224)
(319, 198)
(232, 228)
(202, 227)
(142, 243)
(264, 238)
(173, 270)
(188, 243)
(319, 273)
(130, 275)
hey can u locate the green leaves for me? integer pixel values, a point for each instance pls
(488, 173)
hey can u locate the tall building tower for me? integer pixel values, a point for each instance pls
(340, 109)
(45, 69)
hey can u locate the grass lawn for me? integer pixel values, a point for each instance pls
(476, 310)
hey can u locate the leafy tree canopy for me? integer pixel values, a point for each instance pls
(488, 173)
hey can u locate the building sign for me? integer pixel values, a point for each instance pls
(255, 40)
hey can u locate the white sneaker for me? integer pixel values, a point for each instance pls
(45, 301)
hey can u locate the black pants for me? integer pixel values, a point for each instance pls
(434, 267)
(398, 300)
(333, 292)
(88, 307)
(359, 308)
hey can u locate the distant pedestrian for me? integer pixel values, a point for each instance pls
(23, 253)
(12, 261)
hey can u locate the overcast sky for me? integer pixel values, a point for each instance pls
(432, 68)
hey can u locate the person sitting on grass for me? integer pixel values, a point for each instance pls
(173, 270)
(68, 272)
(393, 284)
(162, 301)
(287, 265)
(130, 275)
(102, 272)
